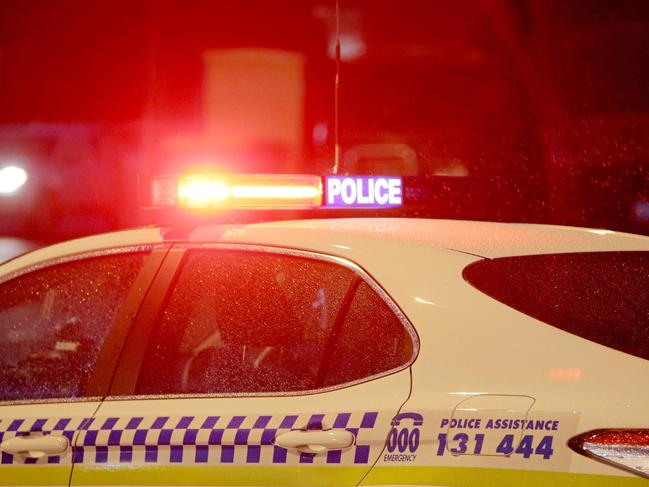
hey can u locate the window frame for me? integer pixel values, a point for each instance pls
(118, 330)
(137, 348)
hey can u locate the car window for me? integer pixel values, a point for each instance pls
(254, 322)
(600, 296)
(372, 340)
(53, 323)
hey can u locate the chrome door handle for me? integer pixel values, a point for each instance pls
(35, 446)
(315, 441)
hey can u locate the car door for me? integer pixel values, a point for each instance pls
(62, 325)
(256, 366)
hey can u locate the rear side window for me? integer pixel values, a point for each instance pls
(53, 323)
(255, 322)
(600, 296)
(371, 340)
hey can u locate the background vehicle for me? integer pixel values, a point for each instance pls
(13, 247)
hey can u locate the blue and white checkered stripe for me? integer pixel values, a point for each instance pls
(207, 439)
(67, 427)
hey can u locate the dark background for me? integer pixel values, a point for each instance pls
(532, 111)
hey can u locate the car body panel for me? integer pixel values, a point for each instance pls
(240, 437)
(473, 348)
(484, 239)
(68, 417)
(156, 437)
(489, 477)
(61, 418)
(488, 348)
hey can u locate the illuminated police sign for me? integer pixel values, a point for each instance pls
(363, 192)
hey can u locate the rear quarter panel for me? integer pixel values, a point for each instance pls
(474, 347)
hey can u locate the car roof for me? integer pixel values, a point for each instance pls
(483, 239)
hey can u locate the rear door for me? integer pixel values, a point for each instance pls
(253, 366)
(61, 328)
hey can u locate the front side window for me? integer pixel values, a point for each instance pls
(255, 322)
(53, 323)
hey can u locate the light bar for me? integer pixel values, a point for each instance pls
(253, 191)
(627, 449)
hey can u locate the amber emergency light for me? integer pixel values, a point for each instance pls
(241, 191)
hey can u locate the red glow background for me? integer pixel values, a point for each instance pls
(531, 111)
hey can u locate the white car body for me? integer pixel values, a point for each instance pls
(478, 361)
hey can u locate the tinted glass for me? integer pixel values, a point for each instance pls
(372, 340)
(600, 296)
(244, 322)
(53, 323)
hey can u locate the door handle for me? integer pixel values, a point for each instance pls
(35, 446)
(315, 441)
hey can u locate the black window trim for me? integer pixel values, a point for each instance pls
(136, 348)
(120, 321)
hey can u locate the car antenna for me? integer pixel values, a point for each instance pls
(336, 91)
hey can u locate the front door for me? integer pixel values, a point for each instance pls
(57, 343)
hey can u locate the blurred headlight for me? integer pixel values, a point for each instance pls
(12, 178)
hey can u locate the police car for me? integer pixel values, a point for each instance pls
(338, 352)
